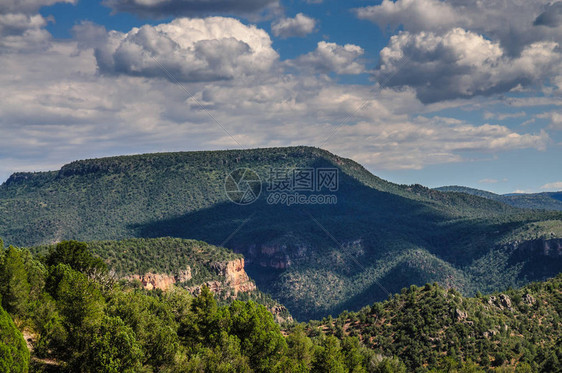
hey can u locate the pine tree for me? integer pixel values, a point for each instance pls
(14, 286)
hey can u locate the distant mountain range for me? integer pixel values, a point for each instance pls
(368, 238)
(544, 201)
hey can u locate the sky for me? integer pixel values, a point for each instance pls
(458, 92)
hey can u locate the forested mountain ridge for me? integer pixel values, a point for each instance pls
(545, 200)
(316, 259)
(431, 327)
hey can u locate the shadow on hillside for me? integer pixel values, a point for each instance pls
(276, 237)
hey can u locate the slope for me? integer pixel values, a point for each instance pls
(544, 201)
(317, 259)
(431, 327)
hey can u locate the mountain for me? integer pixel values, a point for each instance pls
(431, 327)
(544, 201)
(368, 238)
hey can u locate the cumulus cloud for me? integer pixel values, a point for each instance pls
(462, 64)
(70, 109)
(188, 50)
(301, 25)
(512, 23)
(552, 186)
(191, 8)
(511, 34)
(415, 15)
(21, 27)
(331, 57)
(420, 142)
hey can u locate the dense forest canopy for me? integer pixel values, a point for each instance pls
(80, 319)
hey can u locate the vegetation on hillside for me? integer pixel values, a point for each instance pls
(305, 256)
(431, 327)
(541, 201)
(165, 256)
(82, 320)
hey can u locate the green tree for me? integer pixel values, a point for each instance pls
(151, 320)
(202, 324)
(301, 349)
(14, 355)
(260, 337)
(14, 287)
(113, 349)
(81, 307)
(329, 357)
(77, 256)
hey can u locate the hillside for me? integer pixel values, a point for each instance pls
(542, 201)
(63, 312)
(75, 317)
(163, 262)
(431, 327)
(317, 259)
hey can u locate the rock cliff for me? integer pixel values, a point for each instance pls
(232, 278)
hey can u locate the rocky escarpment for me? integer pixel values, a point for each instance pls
(232, 279)
(161, 281)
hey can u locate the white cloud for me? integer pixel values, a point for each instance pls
(56, 107)
(555, 118)
(28, 6)
(415, 15)
(192, 8)
(461, 64)
(208, 49)
(328, 57)
(512, 23)
(522, 38)
(301, 26)
(556, 186)
(504, 116)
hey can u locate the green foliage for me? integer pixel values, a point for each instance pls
(14, 286)
(76, 255)
(86, 323)
(14, 355)
(260, 337)
(401, 234)
(546, 200)
(113, 349)
(441, 329)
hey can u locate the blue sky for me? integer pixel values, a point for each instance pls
(419, 91)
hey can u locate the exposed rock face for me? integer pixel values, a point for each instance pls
(528, 299)
(155, 280)
(235, 278)
(502, 302)
(460, 315)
